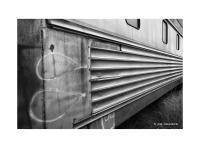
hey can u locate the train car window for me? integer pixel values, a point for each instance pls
(177, 42)
(164, 32)
(133, 23)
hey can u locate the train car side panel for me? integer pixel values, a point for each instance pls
(67, 76)
(149, 33)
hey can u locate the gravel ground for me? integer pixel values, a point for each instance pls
(165, 113)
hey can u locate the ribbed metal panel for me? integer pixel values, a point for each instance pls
(117, 76)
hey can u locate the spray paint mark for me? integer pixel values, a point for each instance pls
(55, 64)
(54, 98)
(108, 122)
(57, 102)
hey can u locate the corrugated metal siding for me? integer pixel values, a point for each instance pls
(117, 76)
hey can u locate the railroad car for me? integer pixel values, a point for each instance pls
(94, 73)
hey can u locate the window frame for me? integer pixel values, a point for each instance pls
(177, 42)
(164, 22)
(139, 24)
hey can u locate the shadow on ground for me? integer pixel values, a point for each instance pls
(165, 113)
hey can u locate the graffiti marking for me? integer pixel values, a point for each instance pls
(108, 121)
(51, 101)
(64, 62)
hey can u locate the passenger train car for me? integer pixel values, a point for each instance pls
(94, 73)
